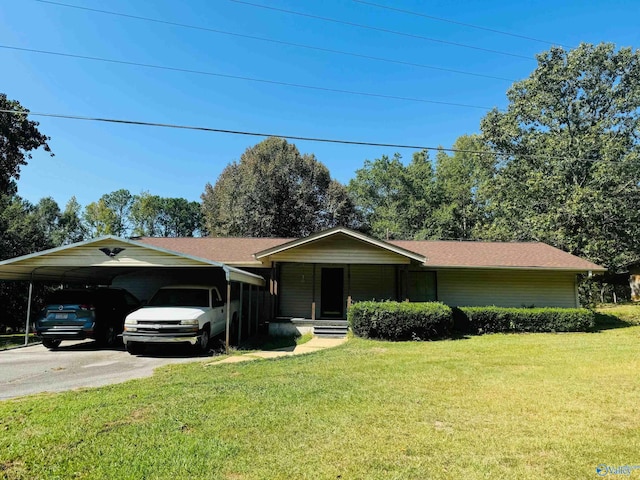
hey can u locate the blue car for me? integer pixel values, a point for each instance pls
(77, 314)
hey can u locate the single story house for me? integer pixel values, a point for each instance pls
(311, 281)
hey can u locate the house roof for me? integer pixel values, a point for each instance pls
(247, 252)
(237, 251)
(521, 255)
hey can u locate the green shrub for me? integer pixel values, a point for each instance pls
(478, 320)
(400, 321)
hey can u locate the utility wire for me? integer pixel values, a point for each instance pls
(385, 30)
(288, 137)
(454, 22)
(278, 42)
(248, 79)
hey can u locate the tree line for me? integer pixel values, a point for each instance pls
(560, 165)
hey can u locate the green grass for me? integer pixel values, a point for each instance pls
(15, 340)
(522, 406)
(627, 312)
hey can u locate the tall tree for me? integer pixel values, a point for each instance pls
(461, 179)
(110, 214)
(21, 229)
(179, 218)
(571, 173)
(274, 191)
(395, 200)
(145, 213)
(71, 228)
(18, 138)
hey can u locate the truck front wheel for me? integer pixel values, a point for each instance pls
(203, 344)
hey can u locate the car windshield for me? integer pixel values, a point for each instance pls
(70, 297)
(180, 297)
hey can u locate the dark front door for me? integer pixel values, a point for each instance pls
(332, 293)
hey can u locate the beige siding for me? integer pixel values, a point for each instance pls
(296, 289)
(362, 282)
(91, 256)
(341, 250)
(506, 288)
(373, 282)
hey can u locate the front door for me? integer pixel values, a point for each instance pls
(332, 293)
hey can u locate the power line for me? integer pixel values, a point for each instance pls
(384, 30)
(278, 42)
(455, 22)
(248, 79)
(288, 137)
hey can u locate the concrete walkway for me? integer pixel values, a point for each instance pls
(313, 345)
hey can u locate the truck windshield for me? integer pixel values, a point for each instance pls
(180, 297)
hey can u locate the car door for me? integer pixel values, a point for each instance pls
(218, 312)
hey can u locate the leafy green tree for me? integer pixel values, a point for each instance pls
(394, 200)
(110, 214)
(571, 173)
(71, 228)
(460, 182)
(152, 215)
(180, 218)
(22, 232)
(18, 138)
(145, 213)
(274, 191)
(21, 226)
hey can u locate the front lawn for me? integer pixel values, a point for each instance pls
(15, 340)
(495, 406)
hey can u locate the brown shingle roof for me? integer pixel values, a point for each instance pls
(496, 254)
(227, 250)
(523, 255)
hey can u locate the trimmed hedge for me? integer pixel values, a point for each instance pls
(400, 321)
(479, 320)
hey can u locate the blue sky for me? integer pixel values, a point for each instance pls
(96, 158)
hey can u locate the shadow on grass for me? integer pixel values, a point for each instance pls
(266, 342)
(608, 322)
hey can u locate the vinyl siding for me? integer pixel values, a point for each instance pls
(362, 282)
(507, 288)
(296, 290)
(373, 282)
(340, 250)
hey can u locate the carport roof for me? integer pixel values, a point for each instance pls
(102, 259)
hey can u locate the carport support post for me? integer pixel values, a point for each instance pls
(257, 308)
(26, 322)
(240, 315)
(249, 313)
(226, 343)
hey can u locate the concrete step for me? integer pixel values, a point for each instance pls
(334, 331)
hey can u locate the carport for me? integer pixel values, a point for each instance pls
(102, 260)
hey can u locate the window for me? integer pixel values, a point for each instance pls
(422, 287)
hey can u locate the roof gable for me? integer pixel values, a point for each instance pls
(340, 245)
(100, 259)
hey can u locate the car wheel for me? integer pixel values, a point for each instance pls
(134, 348)
(109, 337)
(203, 344)
(50, 343)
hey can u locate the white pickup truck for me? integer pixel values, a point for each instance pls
(179, 314)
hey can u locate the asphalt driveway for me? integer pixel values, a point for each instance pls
(35, 369)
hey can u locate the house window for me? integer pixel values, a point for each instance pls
(422, 287)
